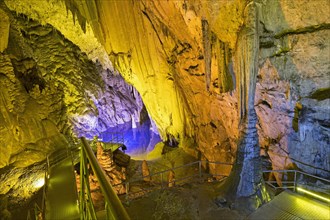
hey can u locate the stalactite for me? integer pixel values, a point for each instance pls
(251, 178)
(225, 79)
(207, 52)
(71, 6)
(247, 61)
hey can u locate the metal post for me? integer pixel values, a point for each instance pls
(200, 169)
(127, 191)
(295, 181)
(82, 187)
(48, 162)
(107, 211)
(161, 180)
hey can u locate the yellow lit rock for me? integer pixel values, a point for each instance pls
(191, 61)
(4, 30)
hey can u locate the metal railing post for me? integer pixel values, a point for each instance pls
(127, 190)
(82, 187)
(48, 162)
(295, 181)
(161, 180)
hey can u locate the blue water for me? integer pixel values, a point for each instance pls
(138, 140)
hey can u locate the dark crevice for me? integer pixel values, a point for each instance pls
(321, 94)
(213, 125)
(264, 102)
(27, 73)
(154, 28)
(308, 29)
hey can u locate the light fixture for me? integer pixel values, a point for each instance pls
(313, 194)
(39, 183)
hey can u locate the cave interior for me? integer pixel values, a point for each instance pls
(154, 85)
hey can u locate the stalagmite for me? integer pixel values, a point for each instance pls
(116, 175)
(245, 185)
(171, 178)
(145, 172)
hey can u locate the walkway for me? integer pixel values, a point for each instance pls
(61, 199)
(289, 205)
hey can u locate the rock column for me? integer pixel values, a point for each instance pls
(245, 186)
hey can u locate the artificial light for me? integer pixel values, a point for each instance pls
(313, 194)
(39, 183)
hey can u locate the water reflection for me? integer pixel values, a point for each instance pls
(139, 140)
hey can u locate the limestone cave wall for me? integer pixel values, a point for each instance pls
(51, 93)
(60, 59)
(189, 50)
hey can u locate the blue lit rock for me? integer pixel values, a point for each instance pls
(163, 57)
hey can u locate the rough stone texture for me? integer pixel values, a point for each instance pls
(4, 30)
(245, 181)
(50, 93)
(145, 171)
(42, 101)
(294, 66)
(20, 184)
(275, 114)
(163, 49)
(55, 13)
(115, 173)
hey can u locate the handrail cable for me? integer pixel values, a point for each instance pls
(113, 204)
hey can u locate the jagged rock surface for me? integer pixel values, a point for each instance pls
(163, 49)
(50, 93)
(115, 173)
(51, 89)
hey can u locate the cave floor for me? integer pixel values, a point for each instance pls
(190, 201)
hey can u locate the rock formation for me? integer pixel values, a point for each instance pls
(245, 181)
(205, 74)
(115, 173)
(171, 178)
(145, 171)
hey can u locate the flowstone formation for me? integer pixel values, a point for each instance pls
(245, 187)
(50, 94)
(182, 54)
(190, 61)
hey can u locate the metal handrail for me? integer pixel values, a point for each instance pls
(199, 162)
(295, 181)
(113, 204)
(116, 137)
(176, 180)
